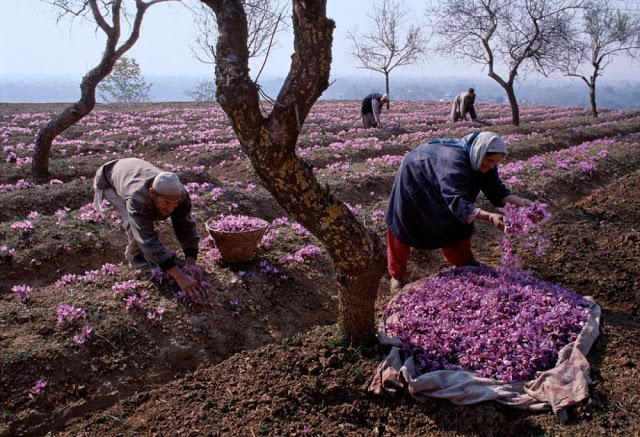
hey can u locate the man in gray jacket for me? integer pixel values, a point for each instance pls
(463, 104)
(141, 194)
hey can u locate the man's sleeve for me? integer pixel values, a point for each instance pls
(375, 106)
(463, 108)
(184, 225)
(146, 236)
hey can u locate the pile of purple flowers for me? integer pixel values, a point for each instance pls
(508, 327)
(236, 223)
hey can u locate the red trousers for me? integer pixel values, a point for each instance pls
(458, 254)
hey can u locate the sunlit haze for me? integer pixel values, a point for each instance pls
(35, 46)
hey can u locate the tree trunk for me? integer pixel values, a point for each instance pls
(515, 109)
(356, 303)
(270, 144)
(67, 118)
(511, 95)
(386, 88)
(592, 97)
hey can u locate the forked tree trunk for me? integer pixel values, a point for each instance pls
(77, 111)
(511, 94)
(67, 118)
(591, 83)
(270, 144)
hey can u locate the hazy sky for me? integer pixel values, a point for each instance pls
(33, 45)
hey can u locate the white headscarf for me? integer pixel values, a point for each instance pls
(485, 142)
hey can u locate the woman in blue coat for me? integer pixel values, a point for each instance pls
(432, 200)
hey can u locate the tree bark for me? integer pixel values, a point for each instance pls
(270, 144)
(386, 88)
(592, 97)
(513, 102)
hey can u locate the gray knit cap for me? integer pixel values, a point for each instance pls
(167, 184)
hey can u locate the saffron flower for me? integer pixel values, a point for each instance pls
(85, 334)
(90, 275)
(137, 300)
(65, 280)
(158, 275)
(25, 225)
(68, 313)
(124, 287)
(38, 386)
(308, 252)
(158, 312)
(235, 310)
(62, 213)
(109, 269)
(22, 291)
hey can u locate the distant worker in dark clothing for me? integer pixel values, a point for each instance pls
(463, 104)
(371, 108)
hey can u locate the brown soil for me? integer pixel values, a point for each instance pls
(279, 367)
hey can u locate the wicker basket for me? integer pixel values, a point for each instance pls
(237, 247)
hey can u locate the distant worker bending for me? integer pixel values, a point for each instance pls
(463, 104)
(371, 108)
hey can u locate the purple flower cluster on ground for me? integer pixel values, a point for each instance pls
(83, 336)
(508, 327)
(38, 386)
(68, 313)
(22, 291)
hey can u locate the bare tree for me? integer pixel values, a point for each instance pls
(387, 45)
(270, 143)
(519, 36)
(265, 19)
(100, 11)
(607, 32)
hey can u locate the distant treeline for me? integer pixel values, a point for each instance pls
(554, 92)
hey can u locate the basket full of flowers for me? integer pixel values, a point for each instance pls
(236, 236)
